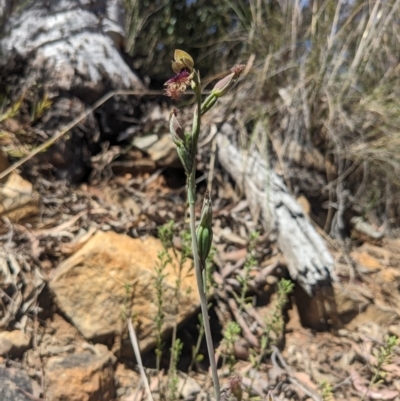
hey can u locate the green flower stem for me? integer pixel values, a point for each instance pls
(197, 267)
(208, 103)
(199, 279)
(196, 116)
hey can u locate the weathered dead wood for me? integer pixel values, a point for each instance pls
(69, 45)
(70, 53)
(309, 261)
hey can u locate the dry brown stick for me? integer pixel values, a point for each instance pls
(228, 270)
(276, 354)
(70, 125)
(248, 335)
(251, 311)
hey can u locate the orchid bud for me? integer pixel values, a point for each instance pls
(178, 136)
(204, 231)
(223, 85)
(185, 157)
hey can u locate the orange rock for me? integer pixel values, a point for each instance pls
(83, 376)
(14, 343)
(390, 274)
(366, 260)
(18, 199)
(113, 276)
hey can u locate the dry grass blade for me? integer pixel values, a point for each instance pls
(135, 345)
(327, 84)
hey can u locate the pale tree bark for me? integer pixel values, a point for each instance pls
(69, 44)
(309, 262)
(72, 51)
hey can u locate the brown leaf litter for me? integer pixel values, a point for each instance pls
(135, 202)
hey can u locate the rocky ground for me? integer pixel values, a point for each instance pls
(77, 260)
(80, 248)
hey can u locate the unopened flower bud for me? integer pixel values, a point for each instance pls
(204, 231)
(178, 136)
(223, 85)
(185, 157)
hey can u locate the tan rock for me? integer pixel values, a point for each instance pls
(126, 381)
(161, 150)
(349, 301)
(366, 260)
(84, 376)
(355, 306)
(373, 313)
(18, 200)
(113, 276)
(14, 343)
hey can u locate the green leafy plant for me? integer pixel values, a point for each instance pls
(159, 279)
(39, 107)
(186, 146)
(383, 356)
(8, 110)
(166, 234)
(173, 374)
(326, 390)
(125, 312)
(250, 264)
(274, 324)
(231, 334)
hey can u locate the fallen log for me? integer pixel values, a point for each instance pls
(309, 262)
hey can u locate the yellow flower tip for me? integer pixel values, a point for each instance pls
(182, 60)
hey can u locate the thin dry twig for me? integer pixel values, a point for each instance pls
(70, 125)
(292, 378)
(136, 350)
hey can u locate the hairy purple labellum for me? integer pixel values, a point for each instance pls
(175, 86)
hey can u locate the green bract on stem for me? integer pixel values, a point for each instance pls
(204, 231)
(186, 146)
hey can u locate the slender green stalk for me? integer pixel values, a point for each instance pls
(384, 356)
(203, 300)
(186, 145)
(196, 117)
(197, 266)
(198, 344)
